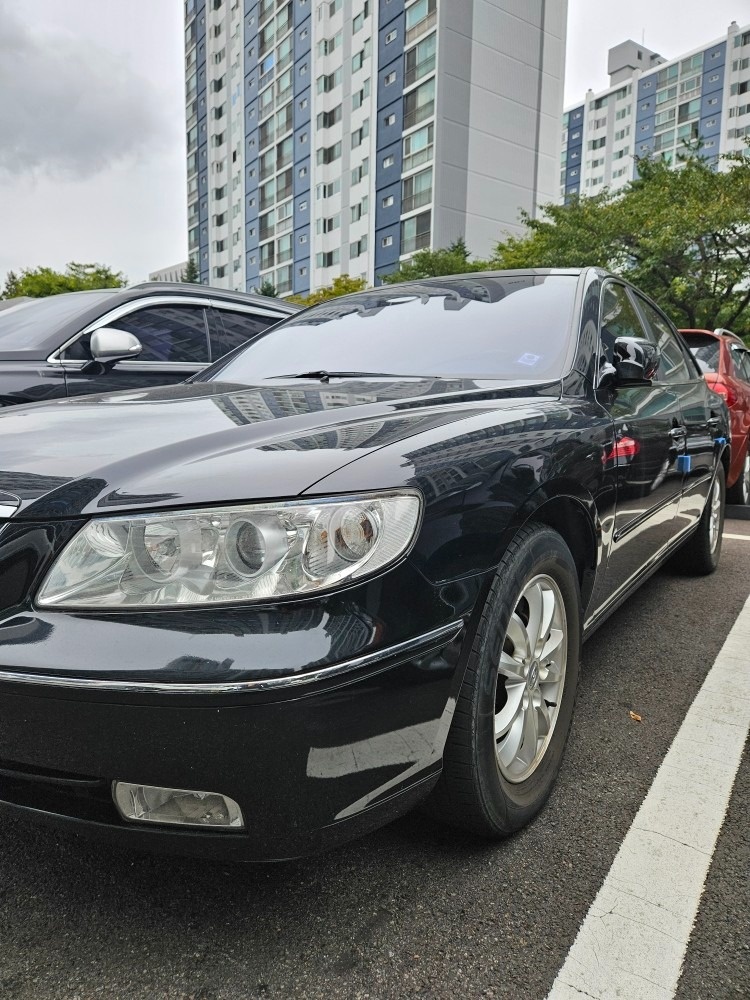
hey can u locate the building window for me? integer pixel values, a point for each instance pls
(390, 78)
(389, 120)
(329, 259)
(389, 160)
(388, 201)
(387, 241)
(391, 37)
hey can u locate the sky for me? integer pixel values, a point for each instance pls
(92, 161)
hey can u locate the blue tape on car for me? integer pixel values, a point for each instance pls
(684, 463)
(720, 441)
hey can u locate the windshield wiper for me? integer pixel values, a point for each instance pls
(324, 376)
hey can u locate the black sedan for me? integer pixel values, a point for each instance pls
(349, 570)
(156, 333)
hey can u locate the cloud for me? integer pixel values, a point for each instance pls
(68, 108)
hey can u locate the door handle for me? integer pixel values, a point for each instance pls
(678, 433)
(713, 421)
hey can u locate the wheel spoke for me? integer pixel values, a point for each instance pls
(552, 645)
(510, 667)
(535, 599)
(507, 714)
(519, 637)
(527, 750)
(543, 719)
(508, 749)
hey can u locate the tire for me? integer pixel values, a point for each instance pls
(700, 554)
(740, 493)
(487, 786)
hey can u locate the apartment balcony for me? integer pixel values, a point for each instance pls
(267, 233)
(414, 243)
(418, 200)
(417, 159)
(417, 72)
(418, 115)
(283, 193)
(421, 28)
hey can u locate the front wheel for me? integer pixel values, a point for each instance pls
(516, 703)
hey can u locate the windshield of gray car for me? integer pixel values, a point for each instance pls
(29, 323)
(504, 327)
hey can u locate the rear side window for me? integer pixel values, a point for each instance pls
(169, 333)
(741, 359)
(705, 350)
(233, 329)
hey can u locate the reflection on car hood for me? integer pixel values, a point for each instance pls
(214, 442)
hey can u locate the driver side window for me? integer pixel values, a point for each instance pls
(618, 319)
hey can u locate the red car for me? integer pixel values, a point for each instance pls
(725, 362)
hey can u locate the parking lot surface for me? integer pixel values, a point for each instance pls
(414, 910)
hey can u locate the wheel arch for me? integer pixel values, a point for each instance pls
(572, 514)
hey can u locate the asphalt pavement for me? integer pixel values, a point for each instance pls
(414, 910)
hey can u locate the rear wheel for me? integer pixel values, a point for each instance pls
(515, 707)
(740, 492)
(700, 554)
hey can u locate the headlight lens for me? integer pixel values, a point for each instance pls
(217, 555)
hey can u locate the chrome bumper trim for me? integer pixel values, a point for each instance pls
(437, 637)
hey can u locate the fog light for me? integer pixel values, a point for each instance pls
(176, 806)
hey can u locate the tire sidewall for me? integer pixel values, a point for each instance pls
(511, 805)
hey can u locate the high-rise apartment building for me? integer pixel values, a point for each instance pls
(339, 136)
(652, 107)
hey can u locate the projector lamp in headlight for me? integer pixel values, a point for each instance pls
(175, 806)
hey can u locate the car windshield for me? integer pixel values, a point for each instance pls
(30, 322)
(514, 327)
(705, 350)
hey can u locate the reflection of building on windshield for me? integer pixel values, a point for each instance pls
(252, 405)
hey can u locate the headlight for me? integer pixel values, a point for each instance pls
(218, 555)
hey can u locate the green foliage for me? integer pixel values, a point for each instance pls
(437, 263)
(191, 274)
(40, 282)
(267, 288)
(343, 285)
(682, 235)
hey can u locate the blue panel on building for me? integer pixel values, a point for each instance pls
(388, 92)
(390, 9)
(386, 214)
(390, 124)
(391, 40)
(713, 80)
(387, 174)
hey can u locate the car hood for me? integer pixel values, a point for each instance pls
(214, 442)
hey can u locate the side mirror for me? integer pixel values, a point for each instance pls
(635, 360)
(109, 345)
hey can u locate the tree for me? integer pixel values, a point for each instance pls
(269, 289)
(682, 235)
(343, 285)
(191, 274)
(437, 263)
(40, 282)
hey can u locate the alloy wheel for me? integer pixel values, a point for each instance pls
(530, 678)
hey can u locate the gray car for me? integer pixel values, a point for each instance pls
(156, 333)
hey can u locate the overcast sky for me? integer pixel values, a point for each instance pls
(92, 164)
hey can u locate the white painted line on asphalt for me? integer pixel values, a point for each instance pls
(739, 538)
(635, 935)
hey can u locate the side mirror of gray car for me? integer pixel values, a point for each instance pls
(109, 345)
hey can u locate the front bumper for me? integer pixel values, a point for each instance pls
(312, 763)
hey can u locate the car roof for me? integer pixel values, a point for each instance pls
(218, 294)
